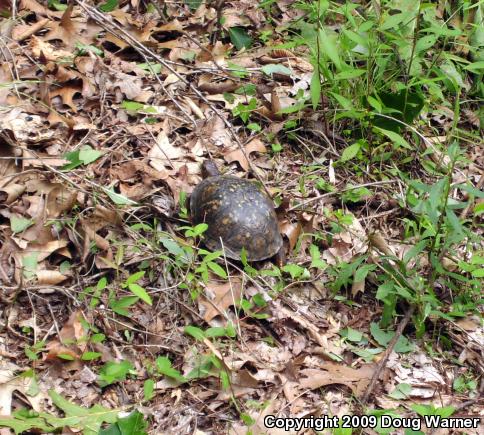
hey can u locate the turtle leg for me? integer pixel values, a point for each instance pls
(280, 257)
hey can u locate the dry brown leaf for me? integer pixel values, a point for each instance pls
(10, 382)
(23, 31)
(163, 153)
(67, 93)
(291, 231)
(215, 132)
(330, 373)
(11, 192)
(50, 277)
(33, 6)
(59, 200)
(70, 31)
(71, 339)
(255, 145)
(219, 297)
(347, 244)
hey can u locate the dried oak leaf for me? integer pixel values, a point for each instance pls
(219, 297)
(255, 145)
(70, 341)
(329, 374)
(70, 31)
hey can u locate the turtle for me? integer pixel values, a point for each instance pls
(239, 215)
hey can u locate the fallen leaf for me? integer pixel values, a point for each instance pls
(329, 374)
(71, 339)
(219, 297)
(237, 155)
(163, 153)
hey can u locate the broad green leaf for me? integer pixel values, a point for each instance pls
(57, 5)
(316, 260)
(149, 389)
(163, 365)
(349, 74)
(26, 425)
(114, 372)
(329, 47)
(117, 198)
(240, 38)
(29, 264)
(141, 293)
(135, 277)
(475, 66)
(109, 5)
(392, 21)
(89, 420)
(344, 102)
(88, 155)
(350, 152)
(217, 269)
(90, 356)
(132, 106)
(395, 137)
(195, 332)
(276, 68)
(315, 89)
(375, 104)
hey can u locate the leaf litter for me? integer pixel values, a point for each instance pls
(88, 114)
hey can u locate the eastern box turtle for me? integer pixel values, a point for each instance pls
(238, 215)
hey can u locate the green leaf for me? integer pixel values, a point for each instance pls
(240, 38)
(316, 260)
(141, 293)
(315, 89)
(88, 155)
(81, 157)
(90, 356)
(109, 5)
(395, 137)
(344, 102)
(117, 198)
(134, 277)
(89, 420)
(195, 332)
(163, 365)
(132, 106)
(475, 67)
(276, 68)
(350, 152)
(392, 21)
(29, 264)
(375, 104)
(19, 224)
(328, 46)
(149, 389)
(349, 74)
(217, 269)
(114, 372)
(26, 425)
(57, 5)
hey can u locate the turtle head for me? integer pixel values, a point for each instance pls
(209, 169)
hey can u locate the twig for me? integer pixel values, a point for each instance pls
(387, 353)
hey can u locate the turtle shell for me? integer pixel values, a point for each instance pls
(239, 214)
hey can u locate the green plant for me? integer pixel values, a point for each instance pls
(88, 420)
(112, 372)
